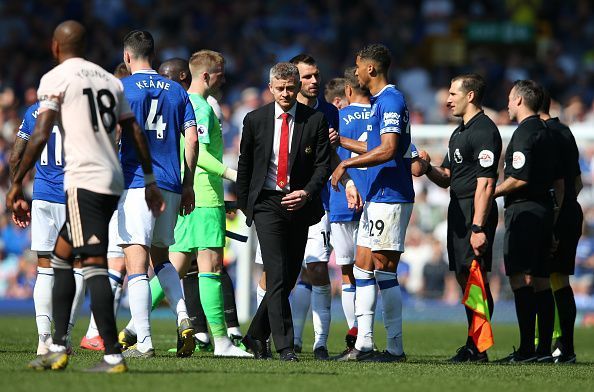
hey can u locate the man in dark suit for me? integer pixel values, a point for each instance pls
(283, 165)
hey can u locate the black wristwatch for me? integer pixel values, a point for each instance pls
(477, 228)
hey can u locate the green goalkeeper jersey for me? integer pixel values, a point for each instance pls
(207, 187)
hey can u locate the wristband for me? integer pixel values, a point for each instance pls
(149, 178)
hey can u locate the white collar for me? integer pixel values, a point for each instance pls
(382, 90)
(360, 105)
(278, 110)
(145, 71)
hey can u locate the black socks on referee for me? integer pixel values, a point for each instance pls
(567, 312)
(526, 312)
(545, 310)
(193, 305)
(62, 295)
(102, 306)
(229, 300)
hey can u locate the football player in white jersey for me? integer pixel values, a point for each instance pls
(89, 102)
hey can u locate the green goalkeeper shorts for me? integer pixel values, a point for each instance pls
(203, 228)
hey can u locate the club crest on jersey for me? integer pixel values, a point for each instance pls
(458, 156)
(518, 160)
(486, 158)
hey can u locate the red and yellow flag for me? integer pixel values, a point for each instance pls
(475, 298)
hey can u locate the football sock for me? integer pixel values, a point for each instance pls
(469, 341)
(260, 293)
(211, 296)
(348, 303)
(192, 298)
(115, 280)
(42, 297)
(365, 298)
(140, 309)
(321, 297)
(392, 313)
(545, 310)
(234, 331)
(79, 298)
(300, 301)
(157, 293)
(229, 300)
(102, 307)
(62, 295)
(490, 301)
(169, 279)
(526, 313)
(567, 314)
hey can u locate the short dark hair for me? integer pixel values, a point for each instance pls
(140, 43)
(303, 58)
(545, 106)
(377, 53)
(334, 88)
(531, 93)
(472, 82)
(351, 80)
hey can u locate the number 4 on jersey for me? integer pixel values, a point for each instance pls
(150, 124)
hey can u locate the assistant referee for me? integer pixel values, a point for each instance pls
(470, 170)
(531, 173)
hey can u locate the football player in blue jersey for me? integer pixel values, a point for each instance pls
(164, 108)
(48, 214)
(388, 207)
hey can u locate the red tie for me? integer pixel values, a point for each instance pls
(283, 153)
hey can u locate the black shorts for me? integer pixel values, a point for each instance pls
(87, 221)
(528, 234)
(568, 231)
(460, 253)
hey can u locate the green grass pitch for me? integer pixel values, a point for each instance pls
(426, 344)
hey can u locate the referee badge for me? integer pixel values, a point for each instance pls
(308, 150)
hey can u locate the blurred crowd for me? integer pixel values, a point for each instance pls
(431, 40)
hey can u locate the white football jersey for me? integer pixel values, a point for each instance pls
(91, 102)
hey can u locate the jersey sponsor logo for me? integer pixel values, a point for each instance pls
(392, 118)
(486, 158)
(458, 156)
(518, 160)
(201, 129)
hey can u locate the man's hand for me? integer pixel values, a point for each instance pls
(337, 175)
(188, 200)
(154, 200)
(479, 243)
(294, 200)
(21, 213)
(424, 155)
(354, 200)
(334, 137)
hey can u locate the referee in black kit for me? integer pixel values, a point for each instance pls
(531, 173)
(568, 230)
(470, 170)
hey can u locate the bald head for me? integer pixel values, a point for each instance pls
(177, 70)
(69, 40)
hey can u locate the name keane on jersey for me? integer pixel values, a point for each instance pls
(152, 84)
(356, 116)
(93, 73)
(392, 118)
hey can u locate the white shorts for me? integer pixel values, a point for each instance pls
(317, 248)
(343, 237)
(113, 250)
(383, 226)
(47, 219)
(137, 225)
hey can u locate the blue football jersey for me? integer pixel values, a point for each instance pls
(390, 182)
(354, 123)
(163, 109)
(331, 114)
(48, 184)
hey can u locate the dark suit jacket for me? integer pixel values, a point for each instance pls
(309, 159)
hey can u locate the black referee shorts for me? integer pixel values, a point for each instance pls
(528, 234)
(87, 221)
(568, 231)
(460, 253)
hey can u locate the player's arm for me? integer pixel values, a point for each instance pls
(152, 194)
(188, 199)
(439, 175)
(354, 199)
(16, 154)
(245, 164)
(510, 185)
(353, 145)
(207, 162)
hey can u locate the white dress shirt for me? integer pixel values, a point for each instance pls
(270, 182)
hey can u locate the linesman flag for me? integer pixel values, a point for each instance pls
(475, 299)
